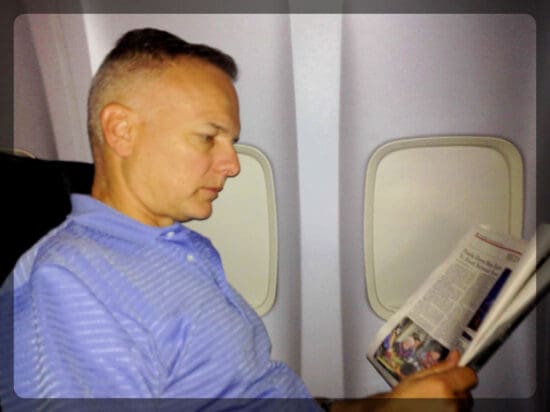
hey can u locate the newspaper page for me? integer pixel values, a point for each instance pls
(455, 298)
(530, 281)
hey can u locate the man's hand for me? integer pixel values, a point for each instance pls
(443, 380)
(443, 387)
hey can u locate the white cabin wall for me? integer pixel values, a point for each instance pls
(62, 52)
(416, 75)
(316, 44)
(32, 125)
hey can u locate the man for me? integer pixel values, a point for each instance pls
(122, 300)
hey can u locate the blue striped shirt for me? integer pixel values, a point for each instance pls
(107, 307)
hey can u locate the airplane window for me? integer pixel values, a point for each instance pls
(422, 195)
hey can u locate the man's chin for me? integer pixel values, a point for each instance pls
(201, 215)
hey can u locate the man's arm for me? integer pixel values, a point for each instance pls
(68, 344)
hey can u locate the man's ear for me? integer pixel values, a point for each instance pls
(117, 123)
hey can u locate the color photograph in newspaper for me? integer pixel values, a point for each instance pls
(407, 349)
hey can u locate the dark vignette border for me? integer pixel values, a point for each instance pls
(539, 9)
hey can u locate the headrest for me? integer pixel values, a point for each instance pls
(35, 199)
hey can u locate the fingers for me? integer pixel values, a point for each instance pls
(455, 379)
(459, 379)
(452, 359)
(444, 380)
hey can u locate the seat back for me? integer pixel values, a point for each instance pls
(35, 199)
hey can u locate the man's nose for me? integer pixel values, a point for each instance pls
(230, 164)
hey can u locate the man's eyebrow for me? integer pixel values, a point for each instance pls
(223, 129)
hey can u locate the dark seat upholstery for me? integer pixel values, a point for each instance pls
(35, 199)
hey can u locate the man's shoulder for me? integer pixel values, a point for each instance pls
(54, 248)
(65, 236)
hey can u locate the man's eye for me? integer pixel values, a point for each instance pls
(207, 137)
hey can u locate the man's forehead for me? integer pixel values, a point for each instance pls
(200, 90)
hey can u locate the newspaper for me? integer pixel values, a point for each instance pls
(470, 302)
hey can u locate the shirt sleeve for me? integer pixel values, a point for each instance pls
(69, 344)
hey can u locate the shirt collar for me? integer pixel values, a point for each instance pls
(92, 213)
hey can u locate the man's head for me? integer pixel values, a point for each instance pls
(143, 52)
(163, 118)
